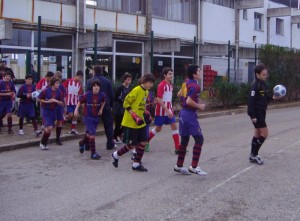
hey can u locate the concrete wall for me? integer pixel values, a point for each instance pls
(218, 28)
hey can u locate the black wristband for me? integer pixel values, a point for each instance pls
(128, 108)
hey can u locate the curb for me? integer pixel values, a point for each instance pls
(67, 137)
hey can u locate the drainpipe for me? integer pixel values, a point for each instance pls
(77, 38)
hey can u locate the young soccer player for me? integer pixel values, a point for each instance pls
(257, 105)
(73, 88)
(27, 104)
(59, 109)
(94, 101)
(163, 111)
(49, 98)
(134, 123)
(189, 125)
(120, 95)
(7, 95)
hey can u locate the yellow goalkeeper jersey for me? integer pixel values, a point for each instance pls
(136, 99)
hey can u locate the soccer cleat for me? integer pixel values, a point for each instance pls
(139, 168)
(81, 148)
(95, 156)
(256, 159)
(197, 171)
(38, 133)
(182, 170)
(43, 146)
(74, 132)
(21, 132)
(10, 132)
(115, 161)
(58, 142)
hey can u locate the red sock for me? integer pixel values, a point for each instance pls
(175, 136)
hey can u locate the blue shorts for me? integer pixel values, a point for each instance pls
(71, 108)
(49, 117)
(26, 110)
(188, 123)
(5, 107)
(91, 124)
(161, 120)
(60, 113)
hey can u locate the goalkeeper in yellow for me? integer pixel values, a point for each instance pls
(134, 121)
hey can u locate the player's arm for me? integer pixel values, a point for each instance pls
(102, 106)
(161, 103)
(251, 101)
(192, 103)
(76, 111)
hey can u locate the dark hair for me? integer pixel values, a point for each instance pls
(96, 82)
(2, 68)
(28, 76)
(49, 74)
(54, 80)
(147, 78)
(8, 73)
(258, 69)
(166, 70)
(79, 73)
(192, 69)
(98, 69)
(126, 75)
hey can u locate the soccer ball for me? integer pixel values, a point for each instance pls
(35, 94)
(279, 91)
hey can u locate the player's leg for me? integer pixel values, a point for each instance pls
(194, 168)
(108, 121)
(175, 136)
(140, 150)
(70, 110)
(59, 122)
(49, 118)
(94, 121)
(154, 131)
(117, 130)
(181, 155)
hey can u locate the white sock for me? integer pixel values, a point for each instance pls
(116, 155)
(135, 165)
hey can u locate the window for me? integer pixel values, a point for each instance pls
(245, 14)
(298, 26)
(178, 10)
(126, 6)
(279, 26)
(225, 3)
(258, 21)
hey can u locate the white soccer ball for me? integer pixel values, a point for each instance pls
(35, 94)
(279, 91)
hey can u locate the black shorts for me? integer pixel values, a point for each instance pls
(261, 119)
(134, 136)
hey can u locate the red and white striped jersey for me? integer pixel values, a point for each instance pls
(73, 90)
(42, 84)
(164, 91)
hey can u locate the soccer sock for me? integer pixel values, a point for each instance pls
(9, 122)
(92, 145)
(196, 155)
(181, 155)
(34, 124)
(254, 145)
(45, 138)
(139, 153)
(58, 132)
(124, 150)
(175, 136)
(84, 140)
(21, 123)
(152, 134)
(73, 125)
(260, 142)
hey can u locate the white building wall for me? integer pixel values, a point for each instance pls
(173, 29)
(218, 23)
(295, 36)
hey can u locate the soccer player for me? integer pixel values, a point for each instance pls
(43, 83)
(73, 88)
(189, 124)
(94, 102)
(135, 133)
(163, 111)
(257, 105)
(59, 109)
(7, 95)
(121, 93)
(107, 117)
(49, 98)
(27, 104)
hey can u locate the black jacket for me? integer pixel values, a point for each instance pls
(258, 97)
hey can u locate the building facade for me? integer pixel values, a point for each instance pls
(140, 36)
